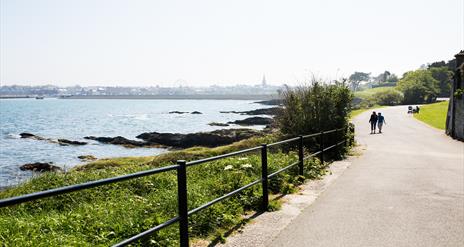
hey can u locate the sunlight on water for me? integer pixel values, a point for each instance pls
(75, 119)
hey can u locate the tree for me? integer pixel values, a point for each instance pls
(389, 96)
(392, 78)
(356, 78)
(444, 76)
(418, 86)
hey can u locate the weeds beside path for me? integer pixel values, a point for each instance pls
(108, 214)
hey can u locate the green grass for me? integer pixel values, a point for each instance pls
(434, 114)
(106, 215)
(364, 94)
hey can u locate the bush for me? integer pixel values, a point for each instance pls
(388, 97)
(314, 108)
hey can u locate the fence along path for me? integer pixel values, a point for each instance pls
(181, 168)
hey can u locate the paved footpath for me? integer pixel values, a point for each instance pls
(407, 189)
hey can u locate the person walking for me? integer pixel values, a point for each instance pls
(373, 121)
(380, 121)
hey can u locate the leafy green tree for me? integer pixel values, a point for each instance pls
(356, 78)
(418, 86)
(451, 64)
(444, 76)
(392, 78)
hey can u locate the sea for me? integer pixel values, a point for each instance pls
(73, 119)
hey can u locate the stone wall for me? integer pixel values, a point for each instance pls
(455, 117)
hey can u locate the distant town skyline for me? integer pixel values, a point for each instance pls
(209, 42)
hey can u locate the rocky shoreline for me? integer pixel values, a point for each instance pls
(214, 138)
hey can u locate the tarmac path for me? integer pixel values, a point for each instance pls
(407, 189)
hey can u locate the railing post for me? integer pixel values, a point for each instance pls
(265, 202)
(352, 133)
(300, 156)
(182, 202)
(321, 144)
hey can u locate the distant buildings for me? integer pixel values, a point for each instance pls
(455, 117)
(55, 91)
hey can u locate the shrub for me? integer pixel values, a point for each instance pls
(388, 97)
(314, 108)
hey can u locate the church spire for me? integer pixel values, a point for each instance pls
(263, 83)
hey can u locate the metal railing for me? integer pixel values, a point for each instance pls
(181, 168)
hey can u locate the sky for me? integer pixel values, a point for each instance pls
(205, 42)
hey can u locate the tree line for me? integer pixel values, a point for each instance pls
(423, 85)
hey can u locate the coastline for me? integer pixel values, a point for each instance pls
(166, 97)
(177, 97)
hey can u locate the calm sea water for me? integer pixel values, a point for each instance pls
(74, 119)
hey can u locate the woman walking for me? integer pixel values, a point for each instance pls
(380, 121)
(373, 121)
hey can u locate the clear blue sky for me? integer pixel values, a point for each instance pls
(172, 42)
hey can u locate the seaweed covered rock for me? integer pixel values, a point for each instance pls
(263, 111)
(40, 167)
(87, 157)
(118, 140)
(207, 139)
(253, 121)
(69, 142)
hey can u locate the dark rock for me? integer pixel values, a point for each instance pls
(207, 139)
(270, 102)
(32, 136)
(178, 112)
(40, 167)
(87, 157)
(264, 111)
(196, 112)
(118, 140)
(253, 121)
(27, 135)
(65, 141)
(218, 124)
(237, 112)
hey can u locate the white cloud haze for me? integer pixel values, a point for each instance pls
(144, 43)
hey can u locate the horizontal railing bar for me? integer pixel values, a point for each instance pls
(312, 135)
(196, 162)
(282, 169)
(147, 232)
(328, 148)
(66, 189)
(223, 197)
(312, 155)
(284, 141)
(330, 131)
(340, 143)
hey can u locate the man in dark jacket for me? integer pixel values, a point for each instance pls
(373, 121)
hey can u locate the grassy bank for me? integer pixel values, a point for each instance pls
(106, 215)
(365, 94)
(434, 114)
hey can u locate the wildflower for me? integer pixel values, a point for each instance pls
(247, 165)
(229, 167)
